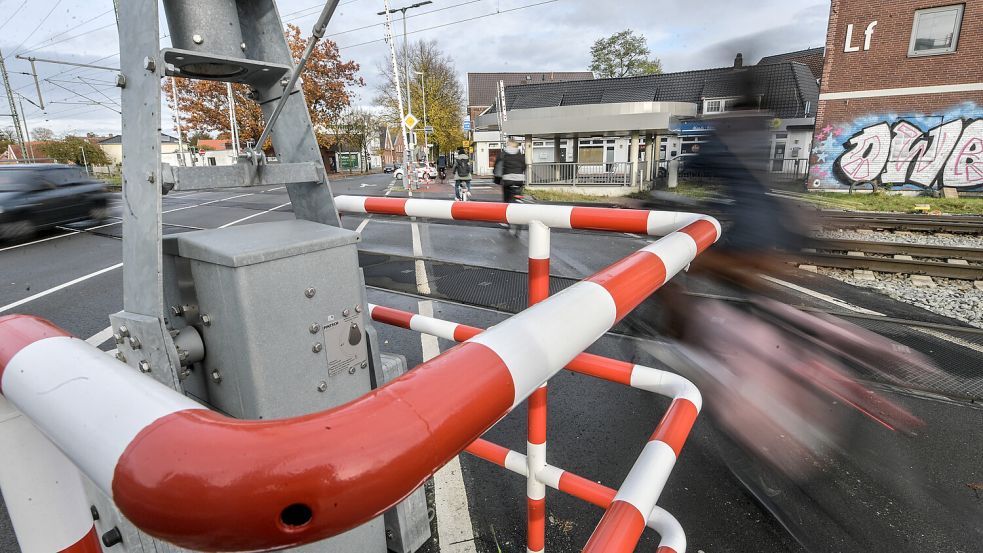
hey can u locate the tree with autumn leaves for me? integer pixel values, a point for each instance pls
(444, 94)
(327, 81)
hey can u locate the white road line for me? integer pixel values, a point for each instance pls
(277, 188)
(206, 203)
(937, 334)
(248, 217)
(10, 306)
(74, 232)
(455, 534)
(39, 241)
(361, 226)
(98, 338)
(821, 296)
(422, 282)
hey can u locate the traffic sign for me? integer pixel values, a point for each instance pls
(410, 121)
(467, 125)
(428, 129)
(466, 143)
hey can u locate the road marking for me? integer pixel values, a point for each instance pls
(937, 334)
(206, 203)
(422, 282)
(98, 338)
(455, 534)
(361, 226)
(74, 232)
(246, 218)
(277, 188)
(10, 306)
(821, 296)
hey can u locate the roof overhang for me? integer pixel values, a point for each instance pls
(610, 119)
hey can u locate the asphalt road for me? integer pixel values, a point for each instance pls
(596, 428)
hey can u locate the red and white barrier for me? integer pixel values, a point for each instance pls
(42, 490)
(628, 511)
(653, 223)
(204, 481)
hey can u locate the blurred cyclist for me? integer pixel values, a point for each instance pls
(510, 172)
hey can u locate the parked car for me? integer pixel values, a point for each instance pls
(398, 173)
(38, 196)
(388, 168)
(426, 170)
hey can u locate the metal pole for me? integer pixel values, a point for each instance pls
(177, 116)
(316, 34)
(539, 290)
(233, 125)
(426, 138)
(14, 115)
(410, 135)
(85, 162)
(399, 95)
(27, 131)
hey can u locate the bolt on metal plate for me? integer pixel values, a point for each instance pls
(316, 348)
(310, 292)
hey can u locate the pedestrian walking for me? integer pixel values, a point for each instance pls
(510, 172)
(462, 176)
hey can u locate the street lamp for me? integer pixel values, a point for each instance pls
(426, 140)
(406, 72)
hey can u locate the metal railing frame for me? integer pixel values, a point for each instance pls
(204, 481)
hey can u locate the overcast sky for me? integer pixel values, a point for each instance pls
(502, 36)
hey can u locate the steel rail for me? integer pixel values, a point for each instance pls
(903, 222)
(899, 248)
(890, 265)
(204, 481)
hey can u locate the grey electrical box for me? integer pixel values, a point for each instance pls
(285, 332)
(280, 310)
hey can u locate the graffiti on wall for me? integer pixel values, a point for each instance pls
(902, 151)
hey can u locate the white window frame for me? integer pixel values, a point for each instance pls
(722, 104)
(960, 8)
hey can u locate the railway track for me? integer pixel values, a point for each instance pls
(891, 257)
(957, 224)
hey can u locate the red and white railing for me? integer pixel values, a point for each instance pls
(204, 481)
(631, 507)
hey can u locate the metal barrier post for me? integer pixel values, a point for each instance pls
(539, 290)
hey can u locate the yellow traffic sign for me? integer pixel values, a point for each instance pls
(466, 143)
(410, 121)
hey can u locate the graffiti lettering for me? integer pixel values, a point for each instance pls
(869, 150)
(949, 154)
(965, 167)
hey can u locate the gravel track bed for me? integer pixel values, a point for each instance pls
(958, 299)
(904, 237)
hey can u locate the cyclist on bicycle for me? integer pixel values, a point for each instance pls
(462, 175)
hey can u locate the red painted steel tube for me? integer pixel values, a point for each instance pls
(672, 537)
(539, 290)
(653, 223)
(671, 433)
(208, 482)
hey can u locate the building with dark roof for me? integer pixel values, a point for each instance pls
(610, 121)
(483, 87)
(811, 57)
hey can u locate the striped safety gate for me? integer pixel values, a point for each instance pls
(204, 481)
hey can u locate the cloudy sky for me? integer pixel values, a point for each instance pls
(480, 35)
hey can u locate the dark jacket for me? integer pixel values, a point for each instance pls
(511, 166)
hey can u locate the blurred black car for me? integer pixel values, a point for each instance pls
(388, 168)
(37, 196)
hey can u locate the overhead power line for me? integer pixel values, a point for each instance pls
(347, 46)
(30, 34)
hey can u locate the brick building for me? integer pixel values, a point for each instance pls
(901, 97)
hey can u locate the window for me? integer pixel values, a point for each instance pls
(718, 105)
(935, 31)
